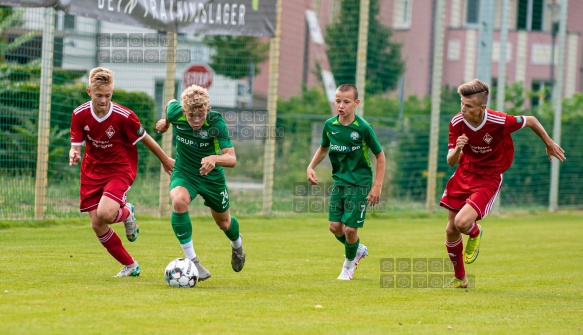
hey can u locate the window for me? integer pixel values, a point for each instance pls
(69, 22)
(402, 14)
(541, 92)
(530, 15)
(473, 12)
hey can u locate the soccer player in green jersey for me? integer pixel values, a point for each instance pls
(203, 148)
(347, 138)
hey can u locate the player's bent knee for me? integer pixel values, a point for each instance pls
(351, 234)
(105, 217)
(462, 225)
(179, 205)
(336, 228)
(223, 224)
(222, 220)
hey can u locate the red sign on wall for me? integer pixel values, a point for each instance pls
(199, 74)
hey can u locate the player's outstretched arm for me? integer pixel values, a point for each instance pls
(374, 196)
(167, 162)
(318, 157)
(74, 154)
(553, 149)
(162, 126)
(228, 158)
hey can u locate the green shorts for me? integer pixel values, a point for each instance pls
(214, 192)
(348, 205)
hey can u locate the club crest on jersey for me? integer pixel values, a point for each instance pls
(110, 131)
(202, 134)
(354, 135)
(86, 128)
(488, 138)
(140, 130)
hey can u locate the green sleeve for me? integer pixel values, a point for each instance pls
(325, 142)
(223, 134)
(372, 141)
(174, 111)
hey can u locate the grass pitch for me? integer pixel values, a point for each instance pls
(58, 279)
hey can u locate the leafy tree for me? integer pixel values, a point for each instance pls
(233, 54)
(10, 19)
(383, 61)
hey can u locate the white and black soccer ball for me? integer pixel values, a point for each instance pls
(181, 272)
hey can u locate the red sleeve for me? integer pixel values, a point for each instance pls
(134, 129)
(513, 123)
(454, 133)
(77, 133)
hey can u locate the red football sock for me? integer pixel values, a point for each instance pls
(473, 231)
(122, 214)
(455, 251)
(112, 243)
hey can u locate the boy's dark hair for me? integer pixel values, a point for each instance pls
(347, 88)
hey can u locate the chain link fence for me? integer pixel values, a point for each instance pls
(244, 75)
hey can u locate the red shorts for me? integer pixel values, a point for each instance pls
(113, 188)
(478, 191)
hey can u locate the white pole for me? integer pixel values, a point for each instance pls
(500, 97)
(557, 106)
(361, 53)
(169, 94)
(436, 79)
(484, 68)
(44, 114)
(269, 150)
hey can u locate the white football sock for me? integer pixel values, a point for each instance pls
(188, 250)
(238, 243)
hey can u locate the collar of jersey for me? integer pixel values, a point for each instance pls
(355, 122)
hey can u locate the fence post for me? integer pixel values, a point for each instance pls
(361, 53)
(169, 84)
(501, 95)
(269, 150)
(44, 115)
(435, 104)
(558, 107)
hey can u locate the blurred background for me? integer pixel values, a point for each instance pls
(271, 68)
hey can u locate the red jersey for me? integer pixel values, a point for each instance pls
(490, 149)
(110, 142)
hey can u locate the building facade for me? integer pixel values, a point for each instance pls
(528, 52)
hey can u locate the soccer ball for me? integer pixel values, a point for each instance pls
(181, 272)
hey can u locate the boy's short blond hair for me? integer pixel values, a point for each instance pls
(195, 98)
(100, 76)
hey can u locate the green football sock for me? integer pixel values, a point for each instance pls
(182, 227)
(342, 239)
(233, 231)
(351, 249)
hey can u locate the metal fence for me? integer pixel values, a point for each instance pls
(275, 124)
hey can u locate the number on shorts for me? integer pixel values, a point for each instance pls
(225, 195)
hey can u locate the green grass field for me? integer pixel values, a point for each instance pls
(57, 279)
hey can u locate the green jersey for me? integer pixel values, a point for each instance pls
(194, 145)
(349, 150)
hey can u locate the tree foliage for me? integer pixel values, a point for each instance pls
(9, 18)
(232, 55)
(384, 64)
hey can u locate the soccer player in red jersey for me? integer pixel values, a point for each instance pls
(481, 144)
(110, 133)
